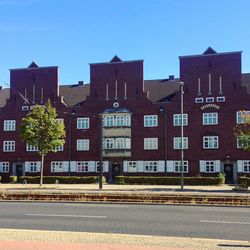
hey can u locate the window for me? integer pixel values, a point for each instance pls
(240, 116)
(150, 166)
(56, 166)
(209, 166)
(209, 99)
(177, 166)
(220, 99)
(177, 143)
(150, 120)
(82, 166)
(128, 120)
(120, 120)
(243, 141)
(210, 142)
(109, 121)
(82, 145)
(120, 143)
(33, 166)
(58, 148)
(132, 166)
(4, 167)
(9, 146)
(150, 143)
(199, 100)
(9, 125)
(177, 119)
(60, 120)
(210, 118)
(30, 148)
(109, 143)
(83, 123)
(246, 166)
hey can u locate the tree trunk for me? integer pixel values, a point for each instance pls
(41, 170)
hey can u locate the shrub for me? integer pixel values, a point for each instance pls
(13, 179)
(151, 180)
(243, 180)
(61, 179)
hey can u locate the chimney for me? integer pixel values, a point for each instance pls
(171, 77)
(80, 83)
(1, 87)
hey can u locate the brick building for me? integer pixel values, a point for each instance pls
(141, 119)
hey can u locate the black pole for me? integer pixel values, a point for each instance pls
(72, 114)
(100, 153)
(165, 142)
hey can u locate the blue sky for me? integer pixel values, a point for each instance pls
(73, 33)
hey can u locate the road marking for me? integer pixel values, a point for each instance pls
(68, 215)
(229, 210)
(97, 205)
(225, 222)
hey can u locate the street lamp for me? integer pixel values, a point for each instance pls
(163, 112)
(182, 152)
(72, 115)
(100, 153)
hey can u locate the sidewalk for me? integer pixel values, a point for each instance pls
(54, 240)
(111, 188)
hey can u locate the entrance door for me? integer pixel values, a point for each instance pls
(116, 170)
(228, 170)
(19, 171)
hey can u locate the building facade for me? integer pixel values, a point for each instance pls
(135, 123)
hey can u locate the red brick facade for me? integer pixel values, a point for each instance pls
(134, 129)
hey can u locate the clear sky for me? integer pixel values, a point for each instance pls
(73, 33)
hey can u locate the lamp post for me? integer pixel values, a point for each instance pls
(72, 115)
(100, 153)
(163, 112)
(182, 152)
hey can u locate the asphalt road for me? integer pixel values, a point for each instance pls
(231, 223)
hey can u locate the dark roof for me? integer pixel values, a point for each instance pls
(33, 65)
(116, 110)
(157, 90)
(116, 59)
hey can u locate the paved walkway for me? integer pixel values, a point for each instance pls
(55, 240)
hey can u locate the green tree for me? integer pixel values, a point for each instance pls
(242, 130)
(41, 129)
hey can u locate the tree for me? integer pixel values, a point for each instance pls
(242, 130)
(41, 129)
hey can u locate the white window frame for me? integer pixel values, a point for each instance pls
(239, 119)
(199, 100)
(9, 125)
(109, 121)
(177, 143)
(56, 166)
(82, 166)
(210, 166)
(31, 148)
(210, 118)
(120, 120)
(150, 121)
(151, 166)
(59, 148)
(209, 99)
(210, 142)
(243, 141)
(221, 99)
(177, 166)
(83, 123)
(150, 143)
(109, 143)
(177, 119)
(246, 166)
(9, 146)
(82, 144)
(4, 166)
(33, 165)
(132, 166)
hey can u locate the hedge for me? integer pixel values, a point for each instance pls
(149, 180)
(244, 180)
(61, 179)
